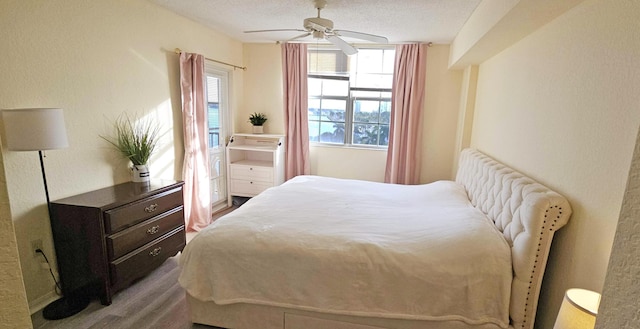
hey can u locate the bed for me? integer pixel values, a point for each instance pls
(318, 252)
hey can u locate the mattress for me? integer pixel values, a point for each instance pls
(350, 247)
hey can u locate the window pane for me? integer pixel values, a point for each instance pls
(384, 135)
(213, 121)
(366, 111)
(314, 131)
(369, 61)
(386, 81)
(314, 87)
(388, 60)
(365, 134)
(371, 94)
(333, 115)
(327, 61)
(335, 87)
(385, 112)
(213, 90)
(332, 132)
(314, 109)
(371, 80)
(370, 134)
(333, 110)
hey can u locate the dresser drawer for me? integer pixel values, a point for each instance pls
(131, 214)
(136, 236)
(248, 188)
(143, 260)
(252, 173)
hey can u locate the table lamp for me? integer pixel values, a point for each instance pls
(578, 310)
(40, 129)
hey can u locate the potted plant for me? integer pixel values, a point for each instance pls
(257, 120)
(136, 140)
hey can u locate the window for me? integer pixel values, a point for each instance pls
(350, 97)
(213, 110)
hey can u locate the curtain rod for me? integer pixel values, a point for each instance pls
(244, 68)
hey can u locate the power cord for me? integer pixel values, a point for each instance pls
(58, 288)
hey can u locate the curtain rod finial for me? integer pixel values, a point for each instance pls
(178, 51)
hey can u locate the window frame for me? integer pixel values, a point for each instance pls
(340, 98)
(350, 100)
(378, 123)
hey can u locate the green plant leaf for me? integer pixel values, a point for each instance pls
(257, 119)
(135, 139)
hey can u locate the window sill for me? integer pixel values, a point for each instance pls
(347, 146)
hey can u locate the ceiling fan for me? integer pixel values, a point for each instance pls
(322, 28)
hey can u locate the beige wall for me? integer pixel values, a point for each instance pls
(440, 121)
(263, 91)
(262, 88)
(561, 105)
(14, 312)
(96, 60)
(619, 305)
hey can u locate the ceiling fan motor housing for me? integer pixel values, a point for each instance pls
(318, 24)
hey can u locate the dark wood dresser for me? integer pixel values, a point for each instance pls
(108, 238)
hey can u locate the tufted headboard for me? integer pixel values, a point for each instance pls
(527, 213)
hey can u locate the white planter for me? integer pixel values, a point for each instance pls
(140, 173)
(258, 129)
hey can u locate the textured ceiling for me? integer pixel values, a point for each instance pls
(436, 21)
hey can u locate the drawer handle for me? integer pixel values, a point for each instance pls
(151, 208)
(153, 230)
(155, 252)
(250, 168)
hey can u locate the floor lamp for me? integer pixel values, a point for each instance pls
(40, 129)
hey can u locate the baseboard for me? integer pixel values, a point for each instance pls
(41, 302)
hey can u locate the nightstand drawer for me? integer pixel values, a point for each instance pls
(248, 188)
(136, 236)
(131, 214)
(143, 260)
(252, 173)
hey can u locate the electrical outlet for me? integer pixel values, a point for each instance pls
(35, 245)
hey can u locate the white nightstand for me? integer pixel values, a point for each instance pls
(255, 163)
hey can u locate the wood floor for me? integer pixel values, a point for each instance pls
(141, 306)
(155, 302)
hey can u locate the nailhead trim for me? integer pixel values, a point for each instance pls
(553, 224)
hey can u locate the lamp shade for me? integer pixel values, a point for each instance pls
(34, 129)
(578, 310)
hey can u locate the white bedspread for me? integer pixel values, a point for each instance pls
(357, 248)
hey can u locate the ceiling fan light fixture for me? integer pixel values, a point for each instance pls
(318, 35)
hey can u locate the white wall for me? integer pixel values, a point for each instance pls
(561, 105)
(96, 60)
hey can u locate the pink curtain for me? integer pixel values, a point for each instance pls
(294, 70)
(407, 99)
(195, 172)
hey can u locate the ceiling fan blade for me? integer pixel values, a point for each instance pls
(362, 36)
(300, 36)
(276, 30)
(343, 45)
